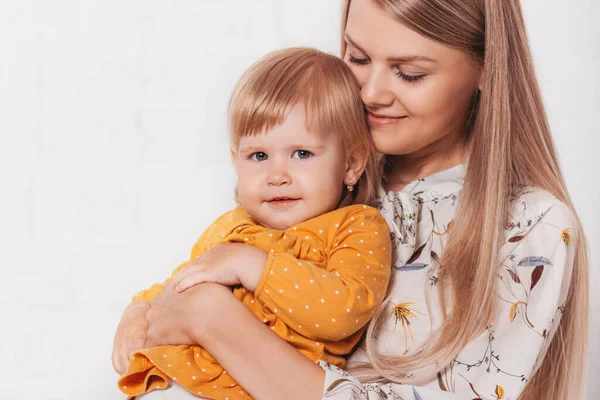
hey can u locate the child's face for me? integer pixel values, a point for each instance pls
(288, 175)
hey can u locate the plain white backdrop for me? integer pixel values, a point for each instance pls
(114, 157)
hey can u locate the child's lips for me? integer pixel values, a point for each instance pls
(282, 201)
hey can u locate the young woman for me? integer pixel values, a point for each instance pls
(489, 293)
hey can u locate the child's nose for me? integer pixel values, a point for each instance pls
(279, 175)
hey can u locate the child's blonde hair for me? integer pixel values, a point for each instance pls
(325, 87)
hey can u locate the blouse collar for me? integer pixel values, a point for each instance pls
(433, 187)
(402, 209)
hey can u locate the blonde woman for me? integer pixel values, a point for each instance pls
(489, 293)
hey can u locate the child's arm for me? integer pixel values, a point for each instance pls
(226, 264)
(331, 303)
(335, 302)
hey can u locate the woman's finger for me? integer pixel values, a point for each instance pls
(115, 361)
(139, 341)
(123, 359)
(151, 338)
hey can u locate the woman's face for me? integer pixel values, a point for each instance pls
(417, 91)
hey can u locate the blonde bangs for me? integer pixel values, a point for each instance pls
(271, 87)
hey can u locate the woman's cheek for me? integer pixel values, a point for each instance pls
(360, 73)
(419, 99)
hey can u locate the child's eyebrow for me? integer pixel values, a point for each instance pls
(291, 147)
(251, 149)
(305, 146)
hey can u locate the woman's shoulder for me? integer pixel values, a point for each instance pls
(535, 208)
(540, 200)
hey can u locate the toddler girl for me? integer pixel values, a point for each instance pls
(306, 170)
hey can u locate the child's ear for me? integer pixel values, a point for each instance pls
(234, 160)
(355, 165)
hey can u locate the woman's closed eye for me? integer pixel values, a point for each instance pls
(302, 154)
(357, 60)
(409, 78)
(259, 156)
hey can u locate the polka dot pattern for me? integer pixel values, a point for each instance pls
(320, 282)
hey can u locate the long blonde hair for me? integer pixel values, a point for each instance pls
(510, 147)
(325, 86)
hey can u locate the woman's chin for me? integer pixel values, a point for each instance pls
(393, 144)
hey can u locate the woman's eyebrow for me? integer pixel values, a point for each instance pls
(401, 59)
(410, 58)
(353, 43)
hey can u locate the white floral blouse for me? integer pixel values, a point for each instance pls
(534, 271)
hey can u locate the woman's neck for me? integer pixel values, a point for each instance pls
(406, 168)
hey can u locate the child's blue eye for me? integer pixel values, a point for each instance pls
(259, 156)
(302, 154)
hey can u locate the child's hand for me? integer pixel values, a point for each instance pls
(227, 264)
(131, 334)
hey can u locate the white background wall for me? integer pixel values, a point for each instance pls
(113, 156)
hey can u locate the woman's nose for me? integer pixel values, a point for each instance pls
(376, 89)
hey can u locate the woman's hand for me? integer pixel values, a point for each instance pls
(171, 318)
(211, 316)
(227, 264)
(130, 335)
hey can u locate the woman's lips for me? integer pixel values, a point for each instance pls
(382, 120)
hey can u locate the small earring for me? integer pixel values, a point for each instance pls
(350, 188)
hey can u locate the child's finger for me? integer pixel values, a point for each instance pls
(190, 269)
(190, 279)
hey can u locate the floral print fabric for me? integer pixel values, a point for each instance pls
(533, 276)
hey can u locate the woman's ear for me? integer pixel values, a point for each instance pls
(355, 165)
(481, 79)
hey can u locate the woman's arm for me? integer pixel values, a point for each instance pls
(130, 335)
(132, 329)
(265, 365)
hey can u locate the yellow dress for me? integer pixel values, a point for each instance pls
(323, 281)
